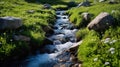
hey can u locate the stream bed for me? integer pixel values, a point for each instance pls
(57, 54)
(63, 39)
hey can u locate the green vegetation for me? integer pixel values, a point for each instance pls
(33, 23)
(94, 10)
(98, 49)
(96, 52)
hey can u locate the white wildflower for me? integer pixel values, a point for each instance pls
(111, 49)
(95, 59)
(102, 40)
(112, 52)
(113, 41)
(107, 63)
(107, 40)
(34, 23)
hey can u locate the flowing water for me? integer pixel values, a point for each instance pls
(63, 39)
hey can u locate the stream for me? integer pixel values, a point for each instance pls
(63, 39)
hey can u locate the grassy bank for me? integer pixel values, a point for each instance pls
(98, 50)
(33, 24)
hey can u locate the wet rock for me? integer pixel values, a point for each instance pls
(63, 65)
(47, 41)
(77, 65)
(47, 6)
(48, 30)
(59, 65)
(57, 42)
(59, 37)
(101, 22)
(70, 37)
(21, 38)
(10, 23)
(50, 49)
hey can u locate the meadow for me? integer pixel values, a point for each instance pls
(99, 49)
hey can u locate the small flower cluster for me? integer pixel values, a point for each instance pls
(107, 63)
(108, 41)
(95, 59)
(112, 50)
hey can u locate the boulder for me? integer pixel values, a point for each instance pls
(101, 22)
(47, 6)
(21, 38)
(10, 23)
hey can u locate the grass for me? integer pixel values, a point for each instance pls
(98, 50)
(94, 10)
(32, 27)
(95, 52)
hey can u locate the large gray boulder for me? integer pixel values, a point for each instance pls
(101, 22)
(10, 23)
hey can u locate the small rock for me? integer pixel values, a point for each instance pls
(47, 6)
(56, 42)
(48, 30)
(86, 16)
(30, 11)
(10, 23)
(47, 41)
(84, 4)
(21, 38)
